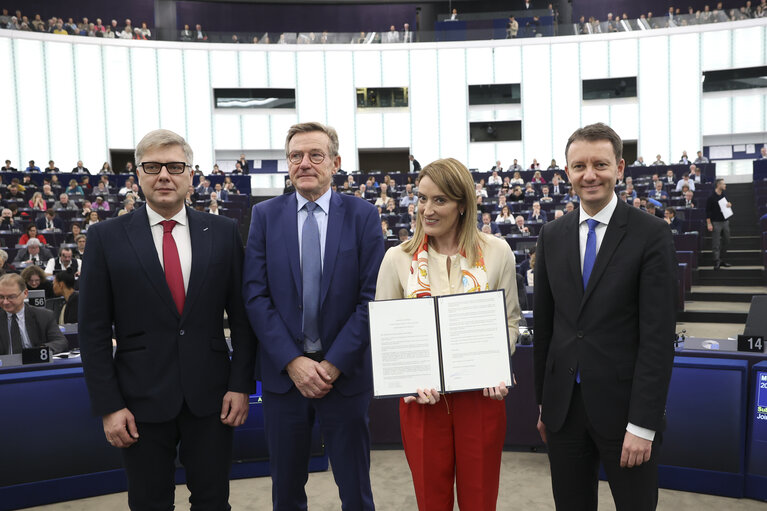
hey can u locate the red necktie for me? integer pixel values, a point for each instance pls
(172, 264)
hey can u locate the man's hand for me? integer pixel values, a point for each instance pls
(309, 377)
(332, 371)
(120, 428)
(424, 397)
(496, 393)
(541, 427)
(636, 450)
(709, 226)
(234, 409)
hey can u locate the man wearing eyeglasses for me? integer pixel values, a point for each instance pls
(311, 264)
(164, 275)
(22, 326)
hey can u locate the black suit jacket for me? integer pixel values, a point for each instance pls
(618, 333)
(163, 359)
(42, 223)
(42, 328)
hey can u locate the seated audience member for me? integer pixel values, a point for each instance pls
(128, 205)
(557, 186)
(535, 165)
(100, 190)
(569, 207)
(64, 285)
(501, 201)
(385, 228)
(408, 198)
(495, 179)
(238, 170)
(106, 168)
(408, 217)
(688, 202)
(403, 235)
(497, 167)
(695, 175)
(637, 203)
(515, 167)
(14, 193)
(221, 193)
(35, 279)
(32, 167)
(50, 222)
(486, 229)
(517, 179)
(684, 160)
(391, 207)
(669, 179)
(545, 197)
(40, 326)
(630, 192)
(530, 272)
(64, 262)
(519, 228)
(86, 209)
(48, 194)
(33, 254)
(65, 203)
(517, 195)
(5, 267)
(487, 220)
(80, 169)
(674, 223)
(650, 207)
(213, 207)
(93, 218)
(127, 187)
(204, 188)
(100, 204)
(51, 167)
(553, 165)
(639, 162)
(382, 199)
(74, 188)
(79, 252)
(700, 159)
(229, 186)
(659, 193)
(8, 167)
(74, 231)
(763, 153)
(480, 190)
(685, 181)
(538, 178)
(30, 234)
(529, 190)
(558, 213)
(7, 222)
(505, 216)
(537, 215)
(658, 161)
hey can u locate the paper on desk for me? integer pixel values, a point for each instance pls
(726, 210)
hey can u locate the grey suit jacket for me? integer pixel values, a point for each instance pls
(42, 329)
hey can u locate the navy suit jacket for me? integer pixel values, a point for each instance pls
(42, 223)
(163, 359)
(273, 289)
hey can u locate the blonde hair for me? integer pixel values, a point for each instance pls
(455, 181)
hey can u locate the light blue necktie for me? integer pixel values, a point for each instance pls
(591, 251)
(311, 270)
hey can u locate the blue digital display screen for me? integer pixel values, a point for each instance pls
(757, 460)
(760, 424)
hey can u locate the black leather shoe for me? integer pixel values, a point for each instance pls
(726, 265)
(716, 266)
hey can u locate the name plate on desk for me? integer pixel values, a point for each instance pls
(751, 343)
(37, 355)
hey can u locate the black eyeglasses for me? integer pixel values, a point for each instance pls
(315, 157)
(173, 167)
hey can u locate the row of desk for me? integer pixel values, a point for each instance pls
(715, 441)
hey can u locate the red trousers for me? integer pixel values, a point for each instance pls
(458, 440)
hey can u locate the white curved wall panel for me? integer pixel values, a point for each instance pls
(70, 98)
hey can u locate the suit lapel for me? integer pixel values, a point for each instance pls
(30, 324)
(140, 237)
(616, 229)
(290, 235)
(5, 336)
(572, 239)
(332, 242)
(201, 239)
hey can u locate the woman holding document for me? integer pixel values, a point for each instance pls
(458, 437)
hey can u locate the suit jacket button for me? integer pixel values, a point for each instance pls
(180, 332)
(579, 335)
(571, 371)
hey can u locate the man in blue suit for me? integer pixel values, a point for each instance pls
(163, 276)
(310, 270)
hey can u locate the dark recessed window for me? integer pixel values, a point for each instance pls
(498, 94)
(610, 88)
(735, 79)
(255, 98)
(382, 97)
(496, 131)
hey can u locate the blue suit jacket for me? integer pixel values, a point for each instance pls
(273, 289)
(162, 358)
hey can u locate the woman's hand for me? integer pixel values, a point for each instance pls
(424, 397)
(497, 393)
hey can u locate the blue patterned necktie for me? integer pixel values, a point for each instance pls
(591, 251)
(311, 270)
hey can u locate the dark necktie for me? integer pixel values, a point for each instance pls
(311, 271)
(591, 251)
(173, 275)
(15, 335)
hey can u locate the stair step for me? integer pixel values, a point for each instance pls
(711, 317)
(737, 243)
(734, 257)
(721, 297)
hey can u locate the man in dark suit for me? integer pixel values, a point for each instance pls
(164, 275)
(605, 288)
(310, 269)
(49, 221)
(22, 326)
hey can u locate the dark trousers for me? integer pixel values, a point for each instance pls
(288, 420)
(575, 452)
(205, 450)
(720, 239)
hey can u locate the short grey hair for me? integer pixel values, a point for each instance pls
(163, 138)
(3, 256)
(33, 242)
(309, 127)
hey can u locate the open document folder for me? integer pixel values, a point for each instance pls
(450, 343)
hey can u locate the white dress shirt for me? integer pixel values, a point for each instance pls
(180, 236)
(320, 214)
(25, 342)
(603, 217)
